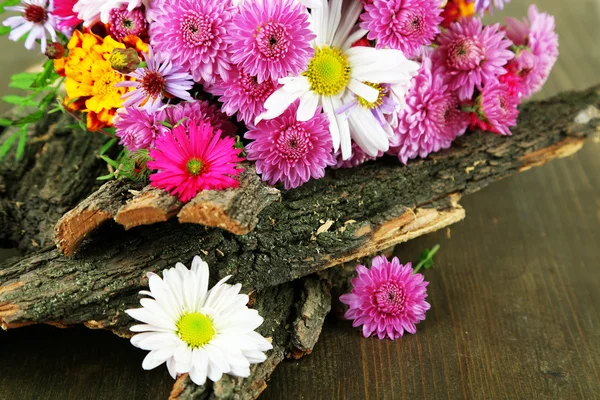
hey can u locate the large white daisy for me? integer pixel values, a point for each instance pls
(337, 68)
(35, 20)
(206, 333)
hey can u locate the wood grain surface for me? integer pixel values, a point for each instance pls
(515, 295)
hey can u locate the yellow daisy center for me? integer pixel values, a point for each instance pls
(195, 167)
(106, 84)
(328, 71)
(376, 103)
(195, 329)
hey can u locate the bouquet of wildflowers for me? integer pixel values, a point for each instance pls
(191, 88)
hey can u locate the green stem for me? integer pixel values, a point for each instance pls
(429, 257)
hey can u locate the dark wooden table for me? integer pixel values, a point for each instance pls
(515, 296)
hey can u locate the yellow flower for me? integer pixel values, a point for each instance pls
(91, 79)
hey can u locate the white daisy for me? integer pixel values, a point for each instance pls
(36, 19)
(206, 333)
(307, 3)
(336, 69)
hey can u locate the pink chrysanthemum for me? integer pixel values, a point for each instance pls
(123, 22)
(496, 109)
(138, 129)
(357, 158)
(471, 56)
(405, 25)
(431, 119)
(191, 33)
(191, 158)
(158, 78)
(387, 299)
(538, 34)
(199, 112)
(271, 38)
(289, 150)
(66, 17)
(243, 95)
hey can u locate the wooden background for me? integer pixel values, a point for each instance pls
(515, 293)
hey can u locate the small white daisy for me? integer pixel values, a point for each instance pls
(36, 19)
(206, 333)
(92, 11)
(337, 68)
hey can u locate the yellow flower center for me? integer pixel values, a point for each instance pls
(106, 84)
(328, 71)
(195, 166)
(195, 329)
(376, 103)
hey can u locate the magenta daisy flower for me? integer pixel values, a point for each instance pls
(35, 20)
(432, 118)
(191, 33)
(471, 56)
(123, 22)
(405, 25)
(158, 78)
(271, 38)
(138, 129)
(291, 151)
(199, 112)
(192, 158)
(497, 109)
(537, 35)
(243, 95)
(387, 299)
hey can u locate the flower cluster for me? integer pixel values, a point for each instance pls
(309, 84)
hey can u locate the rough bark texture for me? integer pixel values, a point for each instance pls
(347, 215)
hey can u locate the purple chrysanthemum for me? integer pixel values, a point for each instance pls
(471, 56)
(357, 158)
(431, 119)
(199, 112)
(537, 35)
(289, 150)
(405, 25)
(271, 38)
(157, 78)
(191, 33)
(138, 129)
(481, 6)
(497, 109)
(387, 299)
(123, 22)
(243, 95)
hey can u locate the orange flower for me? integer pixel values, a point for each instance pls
(91, 79)
(455, 10)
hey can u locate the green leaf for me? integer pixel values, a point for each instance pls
(181, 121)
(34, 117)
(110, 162)
(4, 30)
(46, 77)
(105, 177)
(8, 3)
(107, 146)
(19, 100)
(426, 259)
(7, 145)
(22, 142)
(49, 98)
(166, 123)
(5, 122)
(23, 80)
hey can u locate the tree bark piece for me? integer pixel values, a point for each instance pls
(347, 215)
(147, 207)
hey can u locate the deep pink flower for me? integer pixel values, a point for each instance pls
(289, 150)
(405, 25)
(201, 111)
(496, 109)
(123, 22)
(470, 56)
(138, 129)
(538, 36)
(387, 299)
(192, 158)
(243, 95)
(271, 38)
(432, 118)
(67, 18)
(152, 82)
(191, 33)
